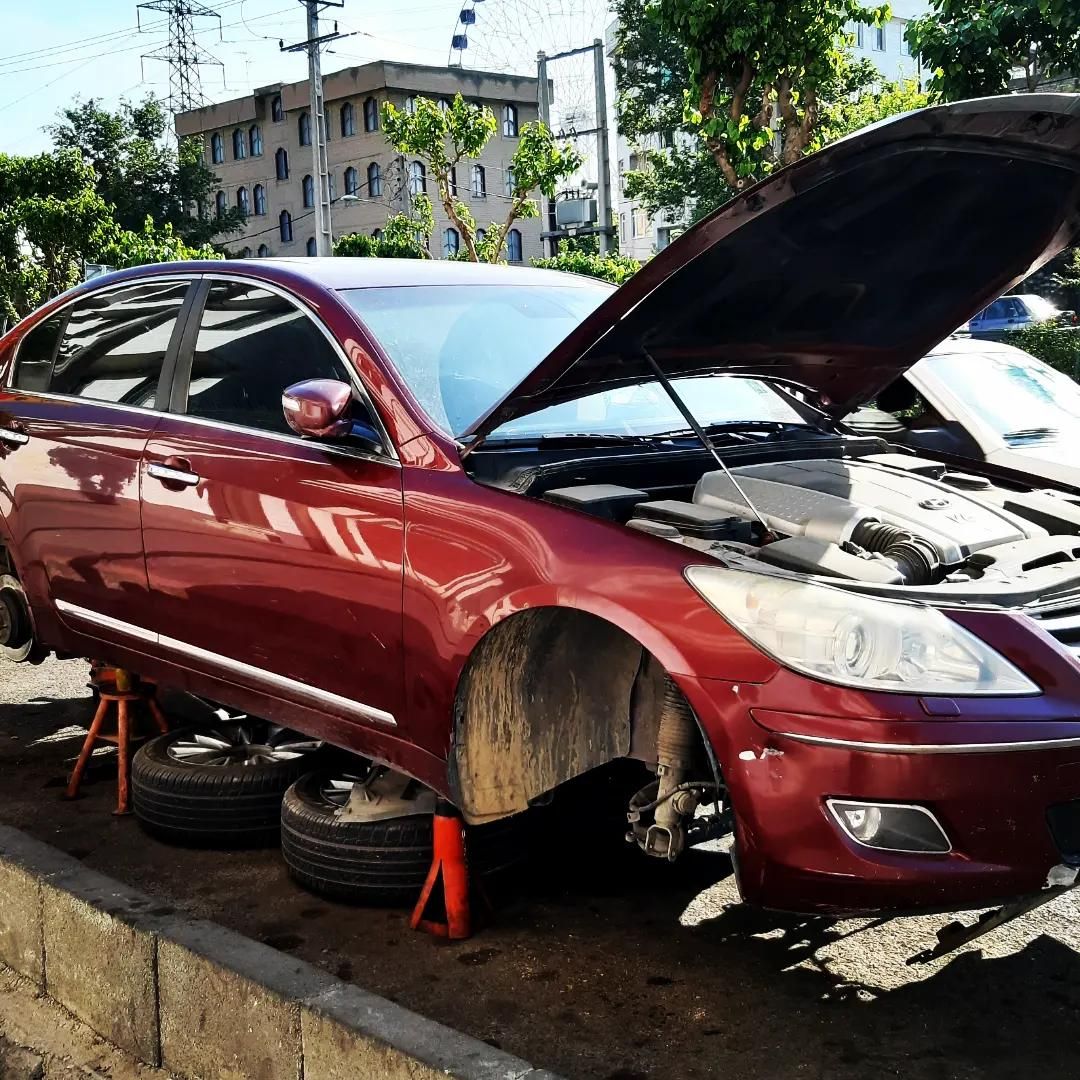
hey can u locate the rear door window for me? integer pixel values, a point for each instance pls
(252, 345)
(114, 345)
(34, 359)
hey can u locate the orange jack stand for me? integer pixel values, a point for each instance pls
(119, 688)
(449, 867)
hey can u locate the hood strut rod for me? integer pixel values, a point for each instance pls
(697, 429)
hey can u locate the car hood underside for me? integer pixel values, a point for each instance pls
(841, 271)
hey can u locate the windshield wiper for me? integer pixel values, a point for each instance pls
(736, 426)
(1023, 434)
(574, 437)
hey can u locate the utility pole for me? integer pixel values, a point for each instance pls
(544, 103)
(603, 153)
(182, 53)
(324, 239)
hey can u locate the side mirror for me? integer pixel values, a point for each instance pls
(319, 408)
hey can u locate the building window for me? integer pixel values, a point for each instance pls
(513, 245)
(410, 106)
(479, 182)
(312, 247)
(905, 45)
(285, 226)
(307, 188)
(451, 243)
(303, 128)
(277, 111)
(255, 140)
(511, 181)
(510, 121)
(348, 119)
(376, 234)
(281, 163)
(860, 36)
(352, 181)
(622, 228)
(245, 253)
(371, 114)
(332, 184)
(259, 200)
(453, 181)
(639, 222)
(480, 234)
(879, 39)
(374, 181)
(239, 146)
(217, 148)
(264, 251)
(417, 178)
(444, 105)
(219, 204)
(242, 203)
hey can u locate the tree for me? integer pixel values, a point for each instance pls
(694, 155)
(759, 73)
(139, 173)
(613, 268)
(973, 46)
(119, 247)
(852, 113)
(49, 216)
(443, 138)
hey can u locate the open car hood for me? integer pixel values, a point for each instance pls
(840, 271)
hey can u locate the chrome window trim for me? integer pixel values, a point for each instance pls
(354, 375)
(63, 308)
(1067, 743)
(48, 395)
(292, 687)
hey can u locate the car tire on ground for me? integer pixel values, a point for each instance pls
(379, 863)
(220, 786)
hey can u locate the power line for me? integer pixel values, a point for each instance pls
(182, 52)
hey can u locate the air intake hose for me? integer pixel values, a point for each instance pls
(916, 560)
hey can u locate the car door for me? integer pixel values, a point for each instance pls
(75, 423)
(274, 562)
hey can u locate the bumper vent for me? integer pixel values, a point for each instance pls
(1063, 623)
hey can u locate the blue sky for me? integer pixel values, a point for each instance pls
(53, 51)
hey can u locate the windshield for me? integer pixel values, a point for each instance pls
(461, 348)
(1020, 398)
(1039, 307)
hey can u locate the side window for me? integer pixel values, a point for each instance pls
(115, 342)
(34, 359)
(252, 345)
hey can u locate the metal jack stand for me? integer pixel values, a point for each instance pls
(450, 866)
(119, 688)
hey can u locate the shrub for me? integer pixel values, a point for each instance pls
(1057, 346)
(613, 268)
(360, 245)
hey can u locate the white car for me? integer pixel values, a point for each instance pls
(987, 401)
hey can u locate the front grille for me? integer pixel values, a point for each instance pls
(1062, 622)
(1064, 821)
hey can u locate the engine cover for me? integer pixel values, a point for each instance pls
(825, 499)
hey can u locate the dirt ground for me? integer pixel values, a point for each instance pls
(616, 969)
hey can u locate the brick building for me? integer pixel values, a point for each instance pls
(259, 146)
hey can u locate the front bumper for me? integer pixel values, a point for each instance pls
(1000, 787)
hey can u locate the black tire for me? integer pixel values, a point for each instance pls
(380, 863)
(17, 642)
(224, 806)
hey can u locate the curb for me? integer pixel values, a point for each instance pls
(204, 1002)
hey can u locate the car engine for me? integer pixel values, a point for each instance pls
(891, 521)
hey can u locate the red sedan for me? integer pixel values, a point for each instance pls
(498, 527)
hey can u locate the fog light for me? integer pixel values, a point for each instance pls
(890, 826)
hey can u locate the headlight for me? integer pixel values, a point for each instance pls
(854, 640)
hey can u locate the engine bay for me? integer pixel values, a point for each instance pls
(888, 521)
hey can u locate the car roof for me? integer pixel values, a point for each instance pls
(960, 346)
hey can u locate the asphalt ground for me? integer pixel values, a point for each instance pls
(613, 967)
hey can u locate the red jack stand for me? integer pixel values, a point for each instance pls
(450, 867)
(117, 687)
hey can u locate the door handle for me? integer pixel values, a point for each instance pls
(13, 439)
(173, 472)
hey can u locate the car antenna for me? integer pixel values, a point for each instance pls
(697, 429)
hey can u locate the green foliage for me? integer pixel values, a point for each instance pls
(120, 247)
(49, 216)
(1059, 347)
(858, 111)
(360, 245)
(138, 171)
(443, 138)
(973, 45)
(412, 230)
(753, 62)
(613, 268)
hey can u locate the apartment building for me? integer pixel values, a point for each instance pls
(259, 146)
(641, 236)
